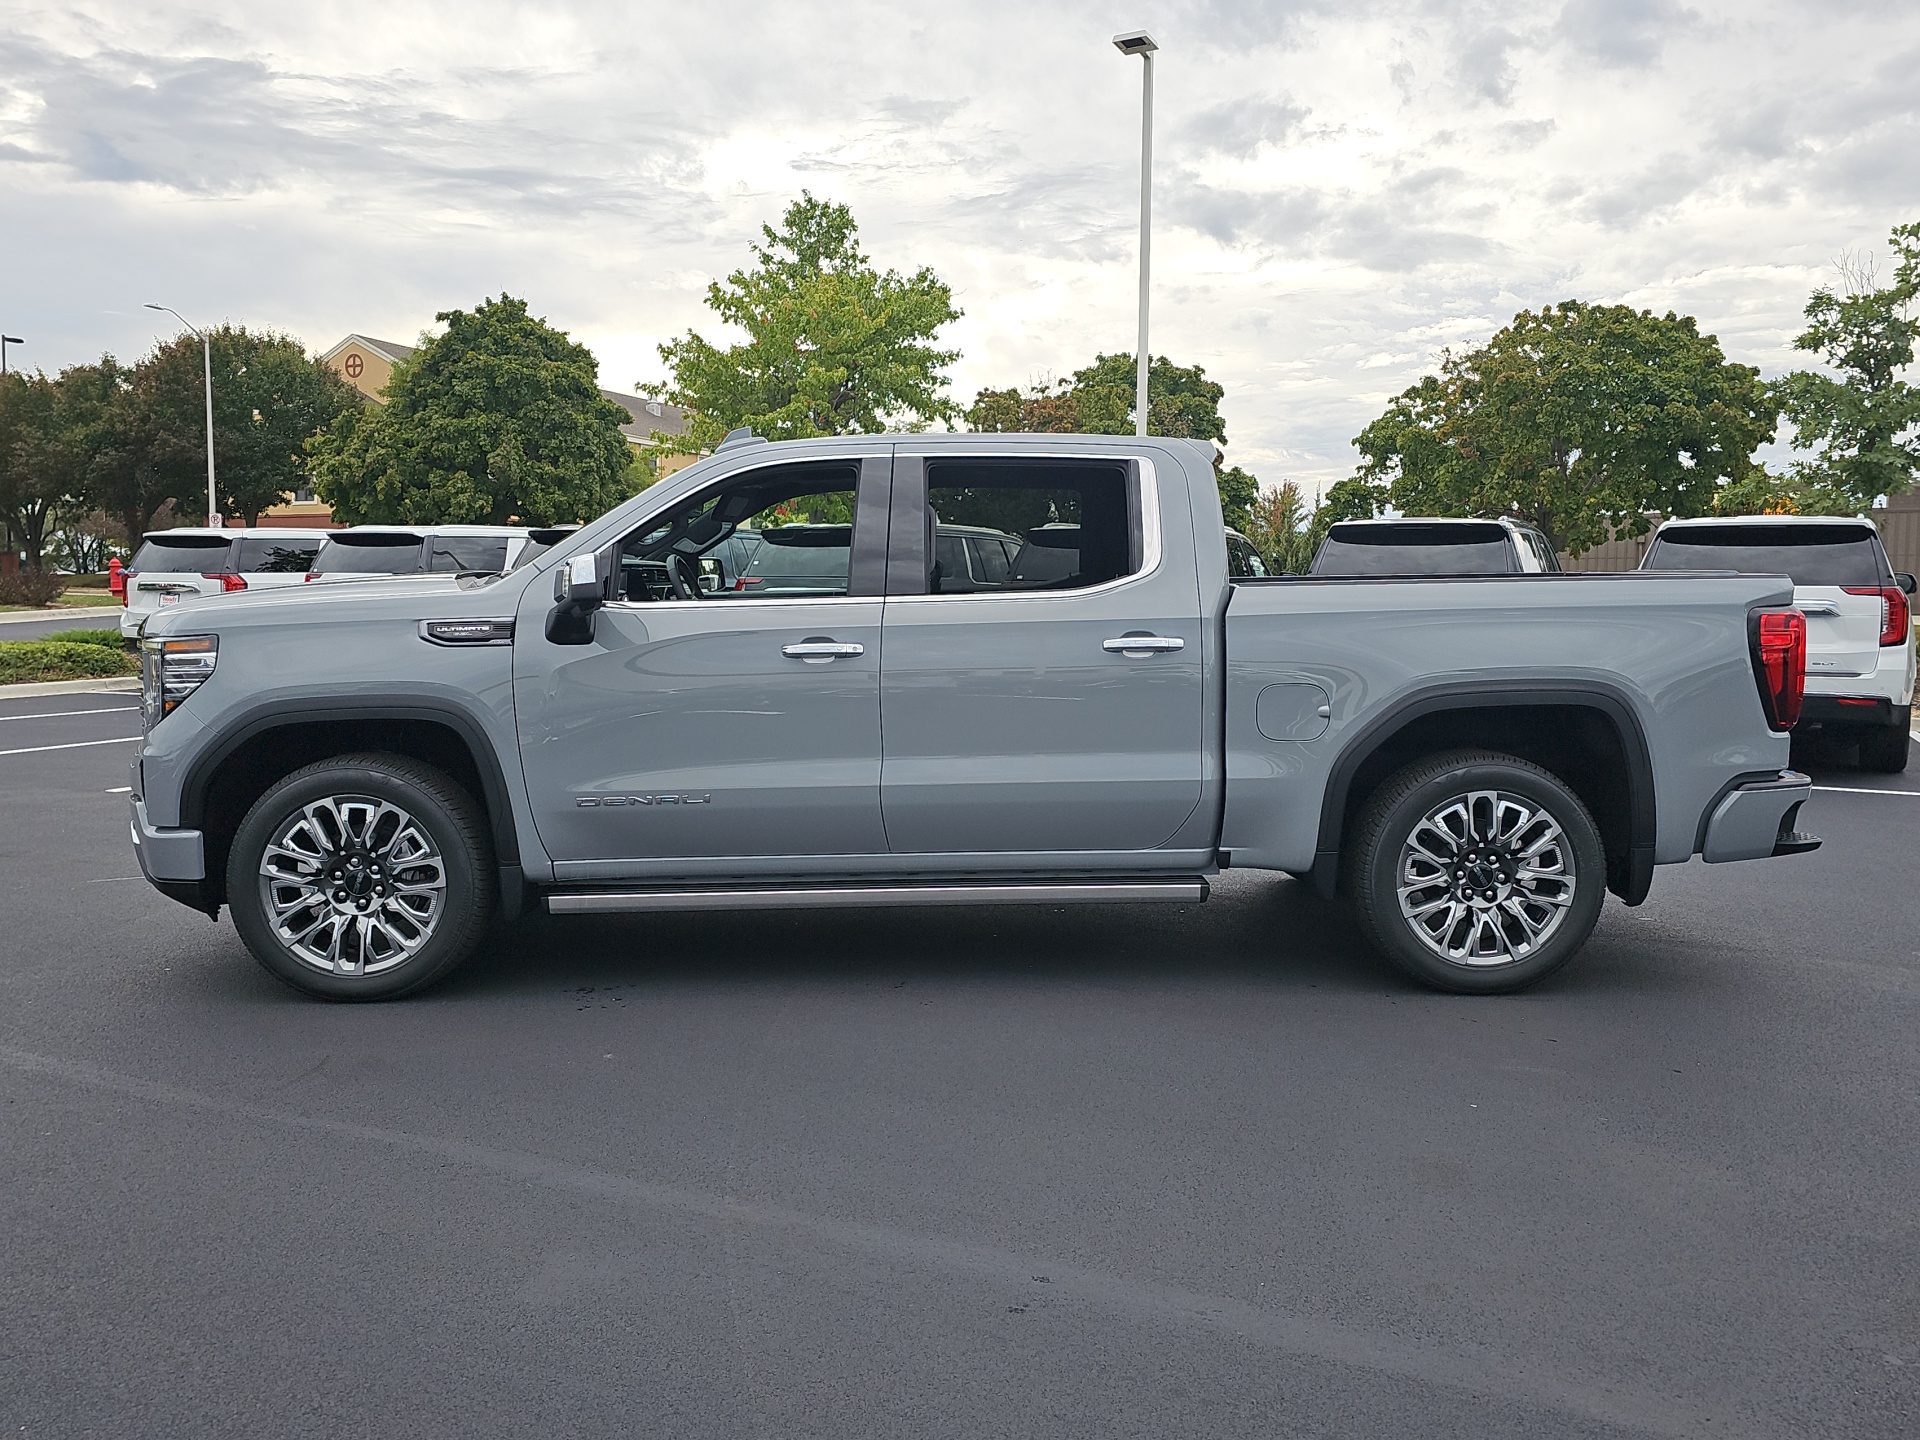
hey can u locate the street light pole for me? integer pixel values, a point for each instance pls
(6, 340)
(214, 519)
(1139, 42)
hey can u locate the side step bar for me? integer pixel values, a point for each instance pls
(1186, 891)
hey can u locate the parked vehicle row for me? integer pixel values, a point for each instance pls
(195, 562)
(891, 718)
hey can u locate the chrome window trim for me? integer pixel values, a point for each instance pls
(1152, 553)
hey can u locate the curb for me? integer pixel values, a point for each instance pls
(21, 617)
(112, 684)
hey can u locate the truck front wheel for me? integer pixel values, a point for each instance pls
(1476, 872)
(361, 877)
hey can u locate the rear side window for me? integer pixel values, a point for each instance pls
(369, 555)
(1055, 526)
(1808, 554)
(183, 555)
(467, 552)
(256, 555)
(1461, 549)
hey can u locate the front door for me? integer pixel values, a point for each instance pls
(718, 717)
(1018, 718)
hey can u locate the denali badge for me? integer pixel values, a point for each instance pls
(587, 802)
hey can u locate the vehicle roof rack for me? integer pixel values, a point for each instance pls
(736, 438)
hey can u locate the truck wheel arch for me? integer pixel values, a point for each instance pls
(275, 738)
(1496, 715)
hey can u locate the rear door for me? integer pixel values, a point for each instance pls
(1826, 563)
(1017, 720)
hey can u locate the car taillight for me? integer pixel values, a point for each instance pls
(228, 583)
(1895, 616)
(312, 575)
(1779, 639)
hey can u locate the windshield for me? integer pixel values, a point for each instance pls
(1450, 549)
(1809, 554)
(183, 555)
(382, 554)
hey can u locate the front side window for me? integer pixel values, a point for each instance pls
(1047, 525)
(780, 534)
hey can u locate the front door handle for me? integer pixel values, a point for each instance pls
(1134, 646)
(821, 652)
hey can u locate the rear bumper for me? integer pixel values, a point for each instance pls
(1873, 712)
(1756, 819)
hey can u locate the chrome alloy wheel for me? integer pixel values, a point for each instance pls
(1485, 878)
(352, 885)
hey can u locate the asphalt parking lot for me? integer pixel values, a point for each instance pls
(1017, 1172)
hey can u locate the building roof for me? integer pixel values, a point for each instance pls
(647, 415)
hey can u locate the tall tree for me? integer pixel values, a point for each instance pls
(114, 421)
(1099, 400)
(499, 417)
(269, 397)
(1579, 418)
(1865, 425)
(834, 346)
(44, 458)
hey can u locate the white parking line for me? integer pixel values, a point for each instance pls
(1861, 790)
(72, 745)
(58, 714)
(118, 790)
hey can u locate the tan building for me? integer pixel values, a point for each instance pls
(367, 365)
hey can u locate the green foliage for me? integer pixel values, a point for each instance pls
(38, 661)
(1278, 527)
(109, 639)
(32, 587)
(500, 417)
(1579, 419)
(1098, 400)
(1865, 424)
(834, 347)
(1239, 493)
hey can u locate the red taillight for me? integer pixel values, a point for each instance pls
(312, 575)
(1895, 616)
(228, 583)
(1780, 664)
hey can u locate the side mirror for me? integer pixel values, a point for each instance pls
(581, 587)
(1905, 581)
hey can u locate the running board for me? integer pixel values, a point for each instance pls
(799, 897)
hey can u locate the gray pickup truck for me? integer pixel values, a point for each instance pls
(958, 669)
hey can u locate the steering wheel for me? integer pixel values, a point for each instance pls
(684, 574)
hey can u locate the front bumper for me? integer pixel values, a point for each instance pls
(167, 854)
(1756, 819)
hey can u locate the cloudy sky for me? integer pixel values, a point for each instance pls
(1342, 188)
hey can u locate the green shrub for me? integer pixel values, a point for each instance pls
(31, 587)
(24, 661)
(109, 637)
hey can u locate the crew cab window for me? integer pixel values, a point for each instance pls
(1007, 528)
(779, 534)
(1808, 554)
(467, 552)
(183, 555)
(1453, 548)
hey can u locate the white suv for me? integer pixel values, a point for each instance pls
(367, 552)
(1860, 656)
(175, 565)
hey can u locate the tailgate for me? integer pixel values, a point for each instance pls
(153, 591)
(1843, 631)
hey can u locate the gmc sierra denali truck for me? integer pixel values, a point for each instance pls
(960, 669)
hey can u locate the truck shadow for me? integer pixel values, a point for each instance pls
(1257, 929)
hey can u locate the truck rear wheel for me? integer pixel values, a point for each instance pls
(1884, 751)
(362, 877)
(1476, 872)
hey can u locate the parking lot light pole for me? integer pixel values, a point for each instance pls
(6, 340)
(1139, 42)
(214, 521)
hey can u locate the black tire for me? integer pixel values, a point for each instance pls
(1500, 948)
(393, 952)
(1884, 751)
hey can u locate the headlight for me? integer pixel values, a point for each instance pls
(171, 670)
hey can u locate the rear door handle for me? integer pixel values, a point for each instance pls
(820, 652)
(1136, 645)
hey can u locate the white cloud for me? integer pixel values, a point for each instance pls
(1342, 190)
